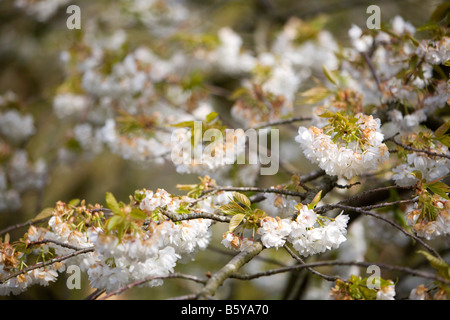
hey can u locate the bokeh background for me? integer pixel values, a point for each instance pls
(29, 66)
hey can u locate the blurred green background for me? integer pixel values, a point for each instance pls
(29, 54)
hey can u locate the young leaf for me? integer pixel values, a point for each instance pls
(74, 202)
(111, 203)
(235, 221)
(329, 76)
(440, 265)
(210, 117)
(232, 208)
(440, 188)
(315, 95)
(113, 222)
(417, 174)
(315, 201)
(138, 214)
(46, 213)
(184, 124)
(239, 197)
(442, 130)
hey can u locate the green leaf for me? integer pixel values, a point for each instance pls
(232, 208)
(111, 203)
(184, 124)
(239, 197)
(417, 174)
(315, 201)
(46, 213)
(329, 76)
(440, 265)
(428, 26)
(315, 95)
(210, 117)
(138, 214)
(440, 12)
(442, 130)
(439, 188)
(74, 202)
(445, 140)
(235, 221)
(113, 222)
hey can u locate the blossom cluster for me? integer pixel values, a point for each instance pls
(356, 288)
(309, 233)
(430, 225)
(142, 97)
(431, 167)
(337, 155)
(151, 251)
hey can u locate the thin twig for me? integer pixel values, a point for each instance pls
(44, 241)
(300, 260)
(347, 186)
(256, 189)
(94, 295)
(392, 223)
(388, 204)
(21, 225)
(372, 68)
(151, 278)
(365, 193)
(410, 271)
(47, 263)
(430, 153)
(280, 122)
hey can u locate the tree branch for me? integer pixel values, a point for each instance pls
(430, 153)
(410, 271)
(196, 215)
(47, 263)
(392, 223)
(300, 260)
(147, 279)
(280, 122)
(229, 269)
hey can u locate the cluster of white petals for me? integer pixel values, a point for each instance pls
(430, 228)
(309, 237)
(341, 159)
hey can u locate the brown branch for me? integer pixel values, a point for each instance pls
(372, 68)
(256, 189)
(280, 122)
(21, 225)
(229, 269)
(47, 263)
(196, 215)
(392, 223)
(410, 271)
(430, 153)
(147, 279)
(94, 295)
(300, 260)
(45, 241)
(367, 192)
(388, 204)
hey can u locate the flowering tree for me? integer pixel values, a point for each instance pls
(308, 158)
